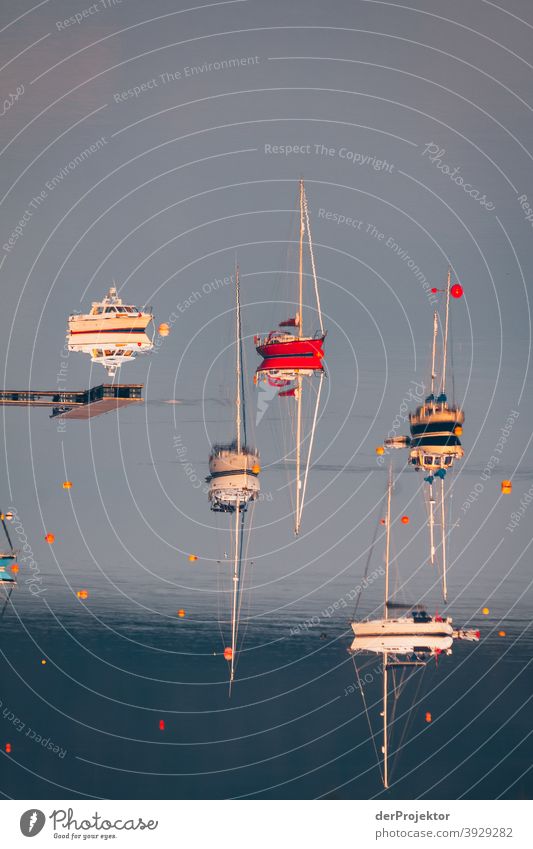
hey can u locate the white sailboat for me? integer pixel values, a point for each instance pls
(403, 642)
(234, 483)
(435, 428)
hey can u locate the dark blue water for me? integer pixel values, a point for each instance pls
(294, 727)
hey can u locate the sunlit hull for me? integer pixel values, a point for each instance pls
(403, 645)
(115, 324)
(402, 626)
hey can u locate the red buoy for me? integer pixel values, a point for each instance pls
(161, 724)
(405, 520)
(228, 653)
(456, 291)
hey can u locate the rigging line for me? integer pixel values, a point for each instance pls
(311, 254)
(367, 566)
(372, 735)
(238, 600)
(310, 448)
(409, 720)
(246, 553)
(220, 594)
(452, 369)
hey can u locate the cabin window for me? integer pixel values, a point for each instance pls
(447, 461)
(428, 460)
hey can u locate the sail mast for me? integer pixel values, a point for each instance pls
(238, 364)
(301, 268)
(445, 346)
(299, 377)
(236, 565)
(385, 722)
(312, 258)
(443, 527)
(387, 544)
(434, 351)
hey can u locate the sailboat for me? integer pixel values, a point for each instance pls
(234, 483)
(403, 642)
(8, 581)
(291, 357)
(435, 428)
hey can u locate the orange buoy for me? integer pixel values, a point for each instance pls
(502, 633)
(83, 594)
(67, 484)
(458, 430)
(380, 450)
(486, 611)
(256, 469)
(50, 538)
(15, 568)
(193, 557)
(405, 520)
(228, 653)
(181, 613)
(163, 329)
(428, 716)
(8, 747)
(382, 521)
(507, 487)
(161, 724)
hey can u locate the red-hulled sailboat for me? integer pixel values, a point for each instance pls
(289, 357)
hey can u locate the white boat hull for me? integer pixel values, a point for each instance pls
(402, 626)
(116, 324)
(129, 342)
(403, 644)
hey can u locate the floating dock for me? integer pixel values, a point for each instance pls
(80, 404)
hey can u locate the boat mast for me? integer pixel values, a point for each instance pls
(387, 544)
(443, 546)
(385, 748)
(312, 258)
(299, 376)
(446, 325)
(236, 559)
(236, 565)
(431, 524)
(238, 365)
(434, 351)
(431, 497)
